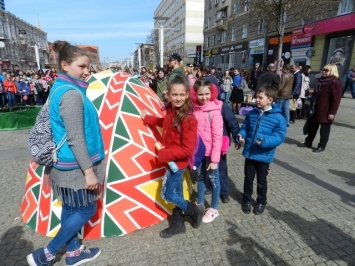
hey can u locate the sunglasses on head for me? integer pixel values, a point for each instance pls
(325, 70)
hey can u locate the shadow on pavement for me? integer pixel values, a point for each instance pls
(14, 249)
(343, 125)
(346, 198)
(326, 240)
(253, 253)
(347, 176)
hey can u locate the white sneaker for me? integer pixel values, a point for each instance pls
(210, 215)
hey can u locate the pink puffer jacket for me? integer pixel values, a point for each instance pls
(210, 124)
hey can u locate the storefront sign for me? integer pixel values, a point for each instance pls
(257, 50)
(234, 48)
(257, 43)
(215, 51)
(335, 24)
(300, 39)
(197, 60)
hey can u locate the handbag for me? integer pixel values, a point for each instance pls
(293, 105)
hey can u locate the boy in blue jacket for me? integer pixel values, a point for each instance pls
(264, 129)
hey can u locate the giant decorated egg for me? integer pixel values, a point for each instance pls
(132, 198)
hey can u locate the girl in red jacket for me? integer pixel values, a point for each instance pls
(10, 89)
(178, 142)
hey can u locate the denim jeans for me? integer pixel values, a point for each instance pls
(285, 108)
(10, 99)
(72, 220)
(223, 175)
(172, 189)
(352, 87)
(213, 175)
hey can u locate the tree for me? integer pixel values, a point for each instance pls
(278, 13)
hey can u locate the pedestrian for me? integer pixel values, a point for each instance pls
(296, 89)
(10, 89)
(300, 112)
(237, 95)
(78, 175)
(207, 110)
(350, 80)
(178, 143)
(176, 64)
(327, 96)
(161, 85)
(285, 92)
(264, 129)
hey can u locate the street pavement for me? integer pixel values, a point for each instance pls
(309, 219)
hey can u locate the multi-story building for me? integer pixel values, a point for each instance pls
(234, 38)
(182, 23)
(145, 56)
(19, 41)
(2, 5)
(93, 53)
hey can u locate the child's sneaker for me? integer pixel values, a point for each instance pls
(82, 255)
(210, 215)
(39, 257)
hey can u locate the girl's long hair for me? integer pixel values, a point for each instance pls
(187, 107)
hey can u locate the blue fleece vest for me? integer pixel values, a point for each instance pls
(92, 131)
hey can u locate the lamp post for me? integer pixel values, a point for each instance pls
(161, 20)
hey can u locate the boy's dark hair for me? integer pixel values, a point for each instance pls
(269, 91)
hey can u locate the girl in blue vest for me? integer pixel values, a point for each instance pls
(79, 172)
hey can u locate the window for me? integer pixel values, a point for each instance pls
(210, 4)
(245, 31)
(206, 42)
(215, 2)
(207, 61)
(220, 14)
(212, 40)
(235, 7)
(224, 37)
(346, 6)
(209, 23)
(260, 27)
(246, 5)
(231, 60)
(234, 34)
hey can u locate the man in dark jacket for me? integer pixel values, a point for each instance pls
(254, 76)
(174, 63)
(296, 88)
(269, 77)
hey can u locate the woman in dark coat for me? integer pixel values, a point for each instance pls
(327, 99)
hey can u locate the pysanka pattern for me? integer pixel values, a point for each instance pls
(132, 198)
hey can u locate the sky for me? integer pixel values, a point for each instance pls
(115, 26)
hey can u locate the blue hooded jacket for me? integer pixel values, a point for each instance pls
(269, 127)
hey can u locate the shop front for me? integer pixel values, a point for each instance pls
(301, 48)
(333, 43)
(257, 49)
(235, 55)
(273, 46)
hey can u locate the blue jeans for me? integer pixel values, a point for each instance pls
(172, 189)
(10, 99)
(352, 87)
(213, 175)
(72, 220)
(223, 175)
(285, 108)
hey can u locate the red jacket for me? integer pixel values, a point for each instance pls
(9, 86)
(179, 143)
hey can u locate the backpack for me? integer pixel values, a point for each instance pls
(40, 140)
(199, 151)
(39, 87)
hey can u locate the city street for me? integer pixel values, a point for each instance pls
(309, 219)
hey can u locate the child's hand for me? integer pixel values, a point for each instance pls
(241, 139)
(212, 166)
(237, 146)
(143, 113)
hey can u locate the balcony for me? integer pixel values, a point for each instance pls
(222, 24)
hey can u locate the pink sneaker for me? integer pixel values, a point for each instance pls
(210, 215)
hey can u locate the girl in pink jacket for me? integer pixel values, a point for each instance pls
(207, 110)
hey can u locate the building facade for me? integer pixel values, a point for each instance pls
(182, 23)
(235, 38)
(21, 43)
(144, 56)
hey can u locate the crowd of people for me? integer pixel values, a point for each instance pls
(200, 102)
(25, 88)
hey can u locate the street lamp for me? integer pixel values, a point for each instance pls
(161, 21)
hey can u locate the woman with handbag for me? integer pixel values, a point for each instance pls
(327, 100)
(237, 96)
